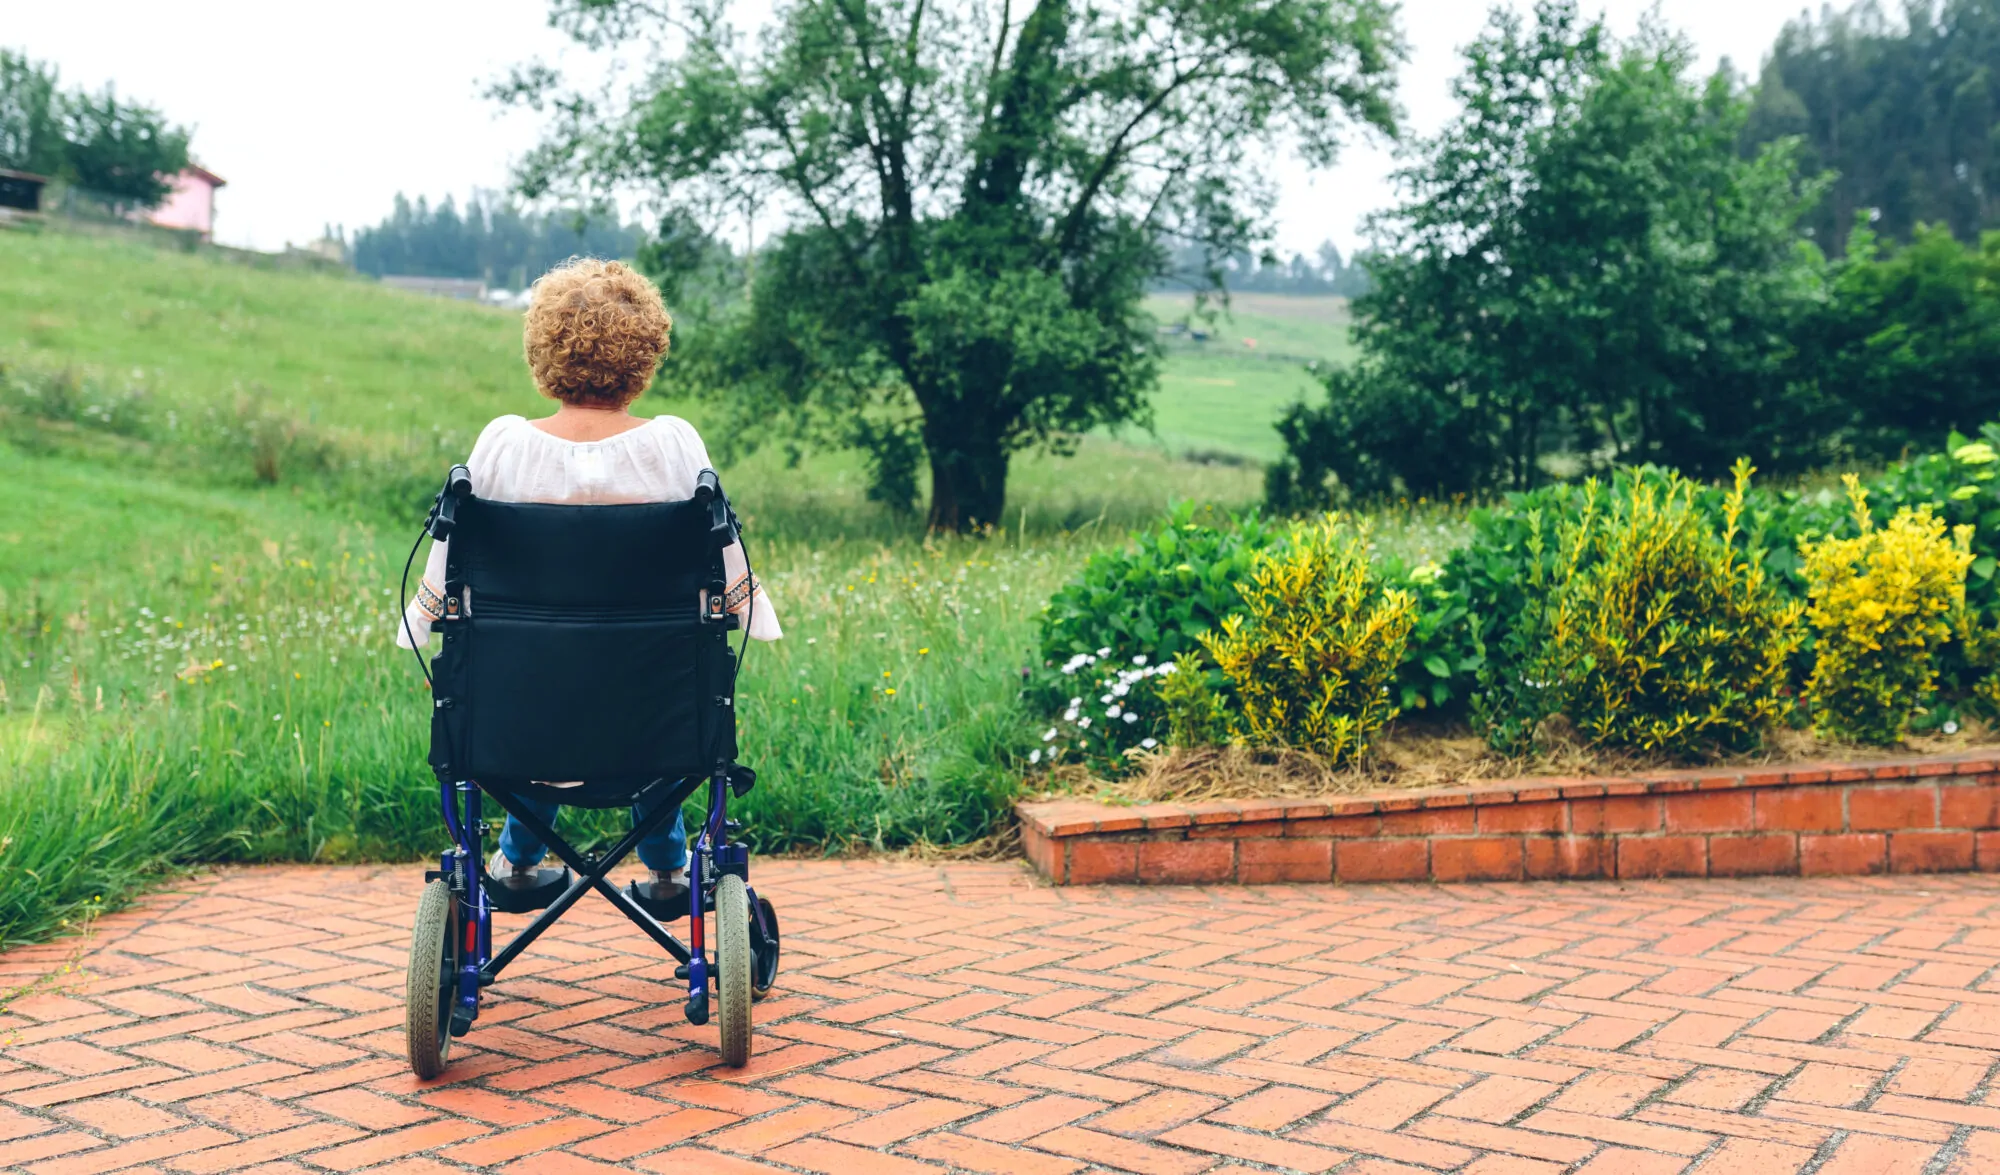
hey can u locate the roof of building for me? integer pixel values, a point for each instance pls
(202, 173)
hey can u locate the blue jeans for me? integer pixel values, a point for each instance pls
(664, 849)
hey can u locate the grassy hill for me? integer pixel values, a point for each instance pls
(209, 476)
(1219, 396)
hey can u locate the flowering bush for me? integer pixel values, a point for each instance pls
(1111, 633)
(1117, 709)
(1882, 604)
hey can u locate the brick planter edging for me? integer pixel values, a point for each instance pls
(1933, 814)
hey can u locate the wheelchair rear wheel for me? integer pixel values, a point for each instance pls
(433, 968)
(732, 965)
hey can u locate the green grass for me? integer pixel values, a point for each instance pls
(1219, 398)
(209, 476)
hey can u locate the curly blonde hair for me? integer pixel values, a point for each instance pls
(595, 333)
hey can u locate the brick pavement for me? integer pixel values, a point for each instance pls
(965, 1017)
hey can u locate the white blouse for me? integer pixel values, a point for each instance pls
(513, 461)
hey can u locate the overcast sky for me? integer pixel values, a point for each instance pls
(319, 114)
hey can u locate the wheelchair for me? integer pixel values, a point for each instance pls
(584, 643)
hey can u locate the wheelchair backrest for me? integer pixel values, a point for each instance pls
(575, 647)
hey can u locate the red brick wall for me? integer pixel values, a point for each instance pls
(1919, 815)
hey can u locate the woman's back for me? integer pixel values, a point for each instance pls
(518, 460)
(657, 460)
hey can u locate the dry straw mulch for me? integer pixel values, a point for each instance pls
(1417, 758)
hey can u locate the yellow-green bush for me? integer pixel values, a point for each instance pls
(1882, 604)
(1653, 633)
(1316, 645)
(1196, 713)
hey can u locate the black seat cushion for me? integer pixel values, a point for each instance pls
(582, 654)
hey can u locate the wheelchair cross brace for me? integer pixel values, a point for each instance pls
(464, 869)
(589, 876)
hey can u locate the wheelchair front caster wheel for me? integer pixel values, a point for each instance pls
(427, 1023)
(732, 967)
(697, 1009)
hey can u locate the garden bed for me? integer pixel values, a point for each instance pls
(1919, 814)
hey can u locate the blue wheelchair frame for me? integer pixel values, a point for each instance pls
(710, 857)
(471, 961)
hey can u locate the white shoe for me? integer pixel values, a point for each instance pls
(504, 872)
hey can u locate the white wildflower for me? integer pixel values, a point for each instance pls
(1130, 718)
(1149, 743)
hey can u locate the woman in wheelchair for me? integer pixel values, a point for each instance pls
(595, 334)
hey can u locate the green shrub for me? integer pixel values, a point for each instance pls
(1316, 645)
(1111, 633)
(1158, 595)
(1442, 658)
(1882, 603)
(1645, 627)
(1196, 715)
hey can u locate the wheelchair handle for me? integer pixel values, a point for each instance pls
(721, 521)
(444, 511)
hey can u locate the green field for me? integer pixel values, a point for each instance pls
(209, 476)
(1219, 397)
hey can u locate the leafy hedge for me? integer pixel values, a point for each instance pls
(1703, 649)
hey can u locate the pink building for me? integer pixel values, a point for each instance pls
(191, 202)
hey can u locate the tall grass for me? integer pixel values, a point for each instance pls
(196, 659)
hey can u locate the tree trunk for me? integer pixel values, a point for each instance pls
(968, 482)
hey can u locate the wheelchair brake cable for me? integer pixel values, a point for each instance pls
(749, 613)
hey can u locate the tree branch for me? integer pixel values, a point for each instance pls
(1073, 222)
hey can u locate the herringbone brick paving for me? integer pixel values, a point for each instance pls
(964, 1017)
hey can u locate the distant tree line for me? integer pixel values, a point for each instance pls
(492, 240)
(1327, 272)
(118, 151)
(1603, 261)
(1903, 115)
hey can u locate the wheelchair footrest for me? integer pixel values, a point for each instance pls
(666, 903)
(523, 899)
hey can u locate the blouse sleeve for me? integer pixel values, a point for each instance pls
(414, 630)
(763, 617)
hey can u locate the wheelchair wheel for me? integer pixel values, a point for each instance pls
(732, 965)
(764, 968)
(433, 967)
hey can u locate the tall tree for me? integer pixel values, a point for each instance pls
(117, 150)
(121, 150)
(31, 116)
(975, 194)
(1583, 265)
